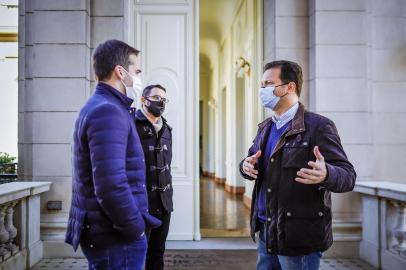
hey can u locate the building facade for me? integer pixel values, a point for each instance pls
(352, 53)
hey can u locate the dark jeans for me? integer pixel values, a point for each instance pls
(156, 243)
(127, 256)
(267, 261)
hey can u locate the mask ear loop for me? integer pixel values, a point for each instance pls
(129, 75)
(284, 94)
(143, 104)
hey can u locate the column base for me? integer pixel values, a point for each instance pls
(247, 201)
(34, 253)
(208, 174)
(234, 189)
(219, 180)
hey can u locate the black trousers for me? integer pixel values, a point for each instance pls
(156, 243)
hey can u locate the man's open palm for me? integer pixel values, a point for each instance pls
(316, 175)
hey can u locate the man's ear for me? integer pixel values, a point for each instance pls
(118, 72)
(292, 87)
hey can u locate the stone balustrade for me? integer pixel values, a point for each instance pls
(383, 243)
(20, 244)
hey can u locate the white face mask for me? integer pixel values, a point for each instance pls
(268, 98)
(134, 91)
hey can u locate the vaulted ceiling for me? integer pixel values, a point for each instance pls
(216, 17)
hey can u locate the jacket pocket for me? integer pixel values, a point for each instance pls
(304, 227)
(296, 155)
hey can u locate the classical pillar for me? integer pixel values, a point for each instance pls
(54, 80)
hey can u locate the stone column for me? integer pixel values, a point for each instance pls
(107, 22)
(327, 38)
(54, 76)
(286, 36)
(339, 91)
(387, 26)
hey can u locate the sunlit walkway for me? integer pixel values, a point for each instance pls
(221, 213)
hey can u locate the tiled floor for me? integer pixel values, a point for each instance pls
(213, 260)
(344, 264)
(221, 213)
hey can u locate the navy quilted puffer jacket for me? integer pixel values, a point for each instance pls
(109, 198)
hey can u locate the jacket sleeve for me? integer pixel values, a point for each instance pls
(341, 175)
(107, 133)
(253, 149)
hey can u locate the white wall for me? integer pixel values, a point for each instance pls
(9, 80)
(8, 97)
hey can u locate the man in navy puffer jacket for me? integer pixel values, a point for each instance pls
(109, 210)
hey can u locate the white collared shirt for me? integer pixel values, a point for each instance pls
(282, 120)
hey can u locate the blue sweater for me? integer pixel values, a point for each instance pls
(273, 138)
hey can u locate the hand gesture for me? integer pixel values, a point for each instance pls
(249, 165)
(316, 175)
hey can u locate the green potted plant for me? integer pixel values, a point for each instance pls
(7, 164)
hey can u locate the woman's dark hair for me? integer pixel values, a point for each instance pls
(290, 72)
(109, 54)
(147, 90)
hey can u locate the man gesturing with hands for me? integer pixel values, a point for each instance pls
(249, 165)
(296, 161)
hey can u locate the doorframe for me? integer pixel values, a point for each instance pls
(196, 93)
(129, 37)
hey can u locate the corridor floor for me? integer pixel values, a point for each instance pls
(221, 214)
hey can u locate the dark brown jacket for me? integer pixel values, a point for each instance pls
(299, 218)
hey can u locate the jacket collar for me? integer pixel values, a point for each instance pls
(107, 90)
(298, 125)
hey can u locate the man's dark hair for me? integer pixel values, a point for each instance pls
(109, 54)
(290, 72)
(147, 90)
